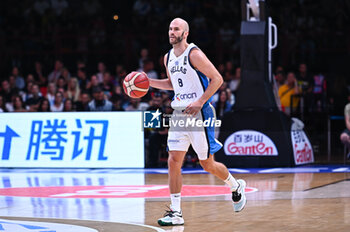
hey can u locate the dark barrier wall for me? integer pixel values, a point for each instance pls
(274, 124)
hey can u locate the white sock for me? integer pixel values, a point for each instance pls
(175, 201)
(231, 181)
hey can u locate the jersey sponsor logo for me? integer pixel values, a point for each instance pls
(185, 96)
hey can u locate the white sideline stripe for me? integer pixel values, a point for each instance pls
(11, 225)
(136, 224)
(340, 169)
(294, 170)
(128, 223)
(194, 171)
(270, 170)
(151, 227)
(160, 171)
(238, 170)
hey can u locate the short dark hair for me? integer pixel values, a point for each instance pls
(82, 69)
(157, 94)
(96, 89)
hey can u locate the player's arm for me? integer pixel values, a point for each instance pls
(200, 62)
(164, 83)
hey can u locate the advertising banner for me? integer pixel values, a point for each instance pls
(72, 140)
(303, 153)
(249, 142)
(254, 139)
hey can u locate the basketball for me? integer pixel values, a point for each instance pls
(136, 84)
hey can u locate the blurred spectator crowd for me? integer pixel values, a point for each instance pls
(64, 90)
(300, 91)
(46, 42)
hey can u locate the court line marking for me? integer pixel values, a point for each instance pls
(272, 170)
(69, 219)
(44, 225)
(83, 196)
(193, 172)
(128, 223)
(147, 226)
(297, 169)
(238, 170)
(340, 169)
(324, 185)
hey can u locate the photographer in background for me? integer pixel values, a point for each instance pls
(345, 135)
(286, 91)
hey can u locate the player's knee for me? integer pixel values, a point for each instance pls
(172, 161)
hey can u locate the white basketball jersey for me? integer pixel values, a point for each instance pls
(189, 84)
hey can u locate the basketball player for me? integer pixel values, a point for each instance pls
(188, 70)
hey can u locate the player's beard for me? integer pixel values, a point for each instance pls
(178, 39)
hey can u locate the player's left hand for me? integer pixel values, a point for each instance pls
(193, 108)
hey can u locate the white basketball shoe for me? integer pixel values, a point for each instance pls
(238, 196)
(171, 218)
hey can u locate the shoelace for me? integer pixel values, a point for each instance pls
(170, 213)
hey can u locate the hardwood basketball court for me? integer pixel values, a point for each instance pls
(289, 199)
